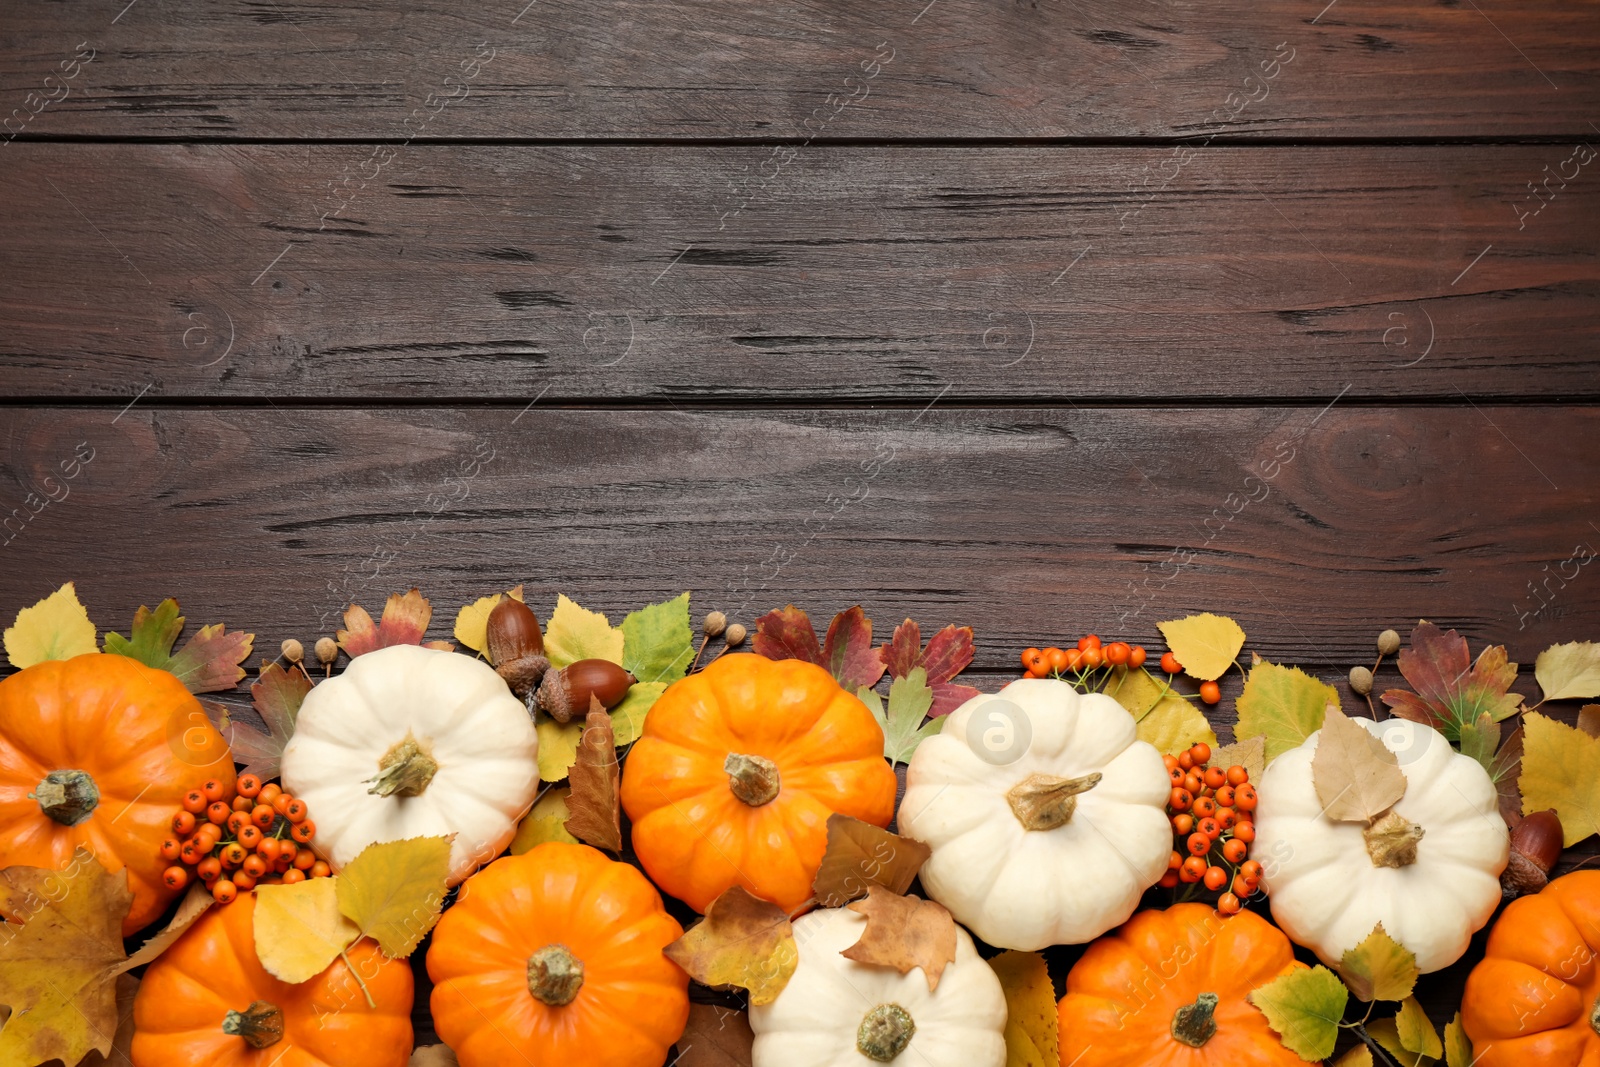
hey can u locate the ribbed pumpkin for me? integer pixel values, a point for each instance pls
(97, 752)
(1169, 989)
(736, 774)
(554, 957)
(208, 1002)
(1534, 999)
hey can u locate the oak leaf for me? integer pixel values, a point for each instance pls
(903, 728)
(546, 821)
(405, 621)
(1251, 754)
(277, 697)
(57, 627)
(949, 652)
(1561, 770)
(471, 627)
(658, 642)
(1379, 968)
(299, 929)
(1452, 691)
(594, 802)
(904, 932)
(1205, 644)
(1570, 671)
(1305, 1007)
(207, 663)
(715, 1037)
(742, 941)
(393, 891)
(859, 856)
(1283, 704)
(1032, 1022)
(575, 633)
(786, 633)
(1357, 778)
(1174, 724)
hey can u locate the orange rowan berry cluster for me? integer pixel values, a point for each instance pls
(236, 839)
(1090, 655)
(1213, 821)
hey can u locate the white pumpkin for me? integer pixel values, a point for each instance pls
(833, 1006)
(414, 742)
(1328, 890)
(1046, 815)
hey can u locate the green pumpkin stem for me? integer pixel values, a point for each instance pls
(261, 1025)
(68, 797)
(1195, 1024)
(885, 1032)
(753, 779)
(405, 770)
(555, 975)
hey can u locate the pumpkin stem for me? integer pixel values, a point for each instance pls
(405, 770)
(1594, 1016)
(1392, 841)
(753, 779)
(885, 1032)
(68, 797)
(1045, 801)
(555, 975)
(1195, 1024)
(261, 1024)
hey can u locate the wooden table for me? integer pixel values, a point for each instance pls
(1039, 317)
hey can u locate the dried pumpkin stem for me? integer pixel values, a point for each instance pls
(68, 797)
(405, 770)
(555, 975)
(1046, 801)
(1195, 1024)
(1392, 841)
(261, 1024)
(884, 1033)
(1594, 1016)
(753, 779)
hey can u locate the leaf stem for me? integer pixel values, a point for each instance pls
(1379, 1053)
(373, 1004)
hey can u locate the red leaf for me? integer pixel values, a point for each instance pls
(787, 633)
(1451, 691)
(948, 653)
(848, 653)
(947, 697)
(277, 698)
(1507, 770)
(903, 651)
(209, 661)
(405, 620)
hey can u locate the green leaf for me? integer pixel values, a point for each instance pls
(909, 700)
(1479, 740)
(1415, 1031)
(1305, 1008)
(1380, 968)
(1384, 1032)
(627, 718)
(1284, 704)
(576, 633)
(1570, 671)
(1457, 1046)
(208, 661)
(152, 636)
(658, 642)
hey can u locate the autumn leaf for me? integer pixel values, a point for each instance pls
(1387, 1035)
(394, 890)
(1032, 1022)
(1251, 754)
(1450, 690)
(1379, 968)
(1305, 1007)
(1136, 690)
(1480, 739)
(153, 634)
(1359, 1056)
(742, 942)
(847, 651)
(1357, 778)
(277, 697)
(1416, 1031)
(658, 642)
(471, 628)
(1589, 719)
(786, 633)
(1561, 770)
(1506, 772)
(405, 621)
(195, 904)
(627, 718)
(575, 633)
(546, 821)
(949, 652)
(57, 627)
(903, 729)
(1570, 671)
(207, 663)
(58, 966)
(715, 1037)
(904, 932)
(596, 810)
(859, 856)
(299, 929)
(1457, 1046)
(1283, 704)
(1205, 644)
(127, 987)
(433, 1056)
(1174, 724)
(558, 746)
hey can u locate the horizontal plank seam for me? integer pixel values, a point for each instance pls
(1238, 140)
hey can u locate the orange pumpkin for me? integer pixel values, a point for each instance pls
(208, 1002)
(96, 752)
(736, 774)
(1534, 999)
(1171, 987)
(554, 956)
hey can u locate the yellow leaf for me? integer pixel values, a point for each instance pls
(1416, 1031)
(576, 633)
(1174, 724)
(57, 627)
(1135, 690)
(299, 930)
(1284, 704)
(1205, 644)
(558, 746)
(472, 621)
(1031, 1018)
(1380, 968)
(393, 891)
(627, 718)
(1561, 770)
(546, 822)
(1457, 1046)
(1386, 1034)
(743, 941)
(1360, 1056)
(1569, 671)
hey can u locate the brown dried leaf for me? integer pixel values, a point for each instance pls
(904, 932)
(1507, 770)
(860, 856)
(1356, 776)
(715, 1037)
(122, 1040)
(195, 904)
(596, 817)
(1251, 754)
(1589, 719)
(405, 620)
(742, 941)
(433, 1056)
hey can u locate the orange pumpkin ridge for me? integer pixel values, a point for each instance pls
(96, 753)
(736, 773)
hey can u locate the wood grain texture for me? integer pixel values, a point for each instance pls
(697, 68)
(859, 274)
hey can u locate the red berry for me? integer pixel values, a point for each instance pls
(1245, 832)
(1185, 760)
(195, 801)
(1215, 878)
(170, 849)
(242, 803)
(292, 876)
(1180, 799)
(1136, 656)
(1237, 775)
(214, 789)
(243, 881)
(175, 877)
(1234, 851)
(1204, 807)
(1092, 657)
(249, 785)
(219, 811)
(1117, 653)
(1210, 827)
(224, 892)
(1198, 844)
(304, 859)
(1226, 818)
(1168, 880)
(1035, 662)
(1086, 643)
(1192, 870)
(209, 867)
(1250, 869)
(1241, 887)
(1170, 664)
(1228, 904)
(1216, 777)
(1244, 798)
(320, 869)
(183, 823)
(1174, 861)
(1210, 692)
(303, 832)
(1201, 753)
(263, 816)
(1224, 795)
(254, 866)
(1056, 658)
(1183, 824)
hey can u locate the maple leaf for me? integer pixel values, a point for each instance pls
(742, 941)
(1205, 644)
(207, 663)
(471, 627)
(299, 930)
(277, 697)
(786, 633)
(859, 856)
(903, 729)
(1032, 1022)
(57, 627)
(904, 932)
(1283, 704)
(405, 621)
(394, 890)
(58, 967)
(1379, 968)
(594, 802)
(658, 642)
(546, 821)
(948, 654)
(122, 1040)
(1356, 777)
(1570, 671)
(715, 1037)
(1452, 691)
(1305, 1007)
(1561, 770)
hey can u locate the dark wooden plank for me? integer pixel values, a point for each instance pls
(697, 68)
(861, 274)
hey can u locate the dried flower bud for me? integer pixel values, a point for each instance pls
(734, 635)
(1360, 680)
(1535, 848)
(327, 650)
(1388, 642)
(715, 623)
(292, 650)
(516, 646)
(565, 693)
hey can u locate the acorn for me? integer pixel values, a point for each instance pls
(565, 693)
(1535, 848)
(516, 646)
(1360, 680)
